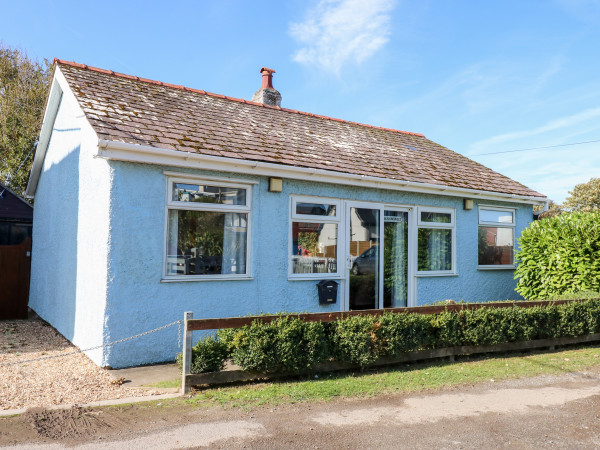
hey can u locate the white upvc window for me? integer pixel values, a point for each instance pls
(207, 233)
(314, 237)
(436, 241)
(496, 237)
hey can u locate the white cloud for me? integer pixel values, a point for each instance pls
(556, 124)
(337, 32)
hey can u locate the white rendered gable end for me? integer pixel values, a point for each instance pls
(122, 151)
(59, 91)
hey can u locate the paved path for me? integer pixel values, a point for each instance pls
(541, 412)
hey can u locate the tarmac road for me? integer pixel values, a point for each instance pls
(541, 412)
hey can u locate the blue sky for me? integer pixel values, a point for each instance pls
(475, 76)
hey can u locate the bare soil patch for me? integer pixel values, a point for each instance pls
(70, 379)
(66, 423)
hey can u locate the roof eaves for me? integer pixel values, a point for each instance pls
(144, 153)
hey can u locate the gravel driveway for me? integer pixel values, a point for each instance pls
(65, 380)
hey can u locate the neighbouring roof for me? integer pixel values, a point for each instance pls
(13, 207)
(134, 110)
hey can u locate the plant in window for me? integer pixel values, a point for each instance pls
(308, 242)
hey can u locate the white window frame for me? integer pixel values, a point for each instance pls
(170, 204)
(437, 225)
(337, 219)
(512, 225)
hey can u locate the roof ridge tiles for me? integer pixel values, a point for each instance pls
(235, 99)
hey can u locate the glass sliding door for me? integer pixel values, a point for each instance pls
(364, 257)
(395, 259)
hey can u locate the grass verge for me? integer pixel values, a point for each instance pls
(404, 378)
(167, 384)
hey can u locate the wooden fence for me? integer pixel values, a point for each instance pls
(15, 269)
(191, 324)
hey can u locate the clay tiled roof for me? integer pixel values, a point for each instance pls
(129, 109)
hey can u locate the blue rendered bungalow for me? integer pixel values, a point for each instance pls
(153, 199)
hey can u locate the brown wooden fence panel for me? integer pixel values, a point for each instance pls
(237, 322)
(15, 268)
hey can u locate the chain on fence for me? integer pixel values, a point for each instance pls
(145, 333)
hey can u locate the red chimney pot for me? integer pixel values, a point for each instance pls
(267, 78)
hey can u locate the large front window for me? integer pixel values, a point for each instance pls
(207, 229)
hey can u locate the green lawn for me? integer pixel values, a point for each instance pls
(404, 378)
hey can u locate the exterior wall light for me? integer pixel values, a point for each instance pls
(468, 204)
(275, 184)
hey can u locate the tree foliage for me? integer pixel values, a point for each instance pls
(585, 197)
(559, 255)
(23, 90)
(554, 209)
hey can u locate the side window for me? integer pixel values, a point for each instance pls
(435, 246)
(207, 229)
(314, 237)
(496, 237)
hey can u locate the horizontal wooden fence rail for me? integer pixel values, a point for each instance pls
(238, 322)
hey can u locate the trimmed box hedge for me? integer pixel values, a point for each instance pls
(289, 344)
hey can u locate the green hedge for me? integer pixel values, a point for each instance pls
(291, 345)
(284, 345)
(559, 255)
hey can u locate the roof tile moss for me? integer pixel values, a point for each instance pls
(140, 111)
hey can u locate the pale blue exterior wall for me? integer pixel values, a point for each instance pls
(71, 232)
(137, 299)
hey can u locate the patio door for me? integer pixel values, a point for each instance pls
(377, 256)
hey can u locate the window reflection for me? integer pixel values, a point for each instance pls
(395, 259)
(315, 209)
(314, 247)
(206, 243)
(435, 217)
(498, 216)
(496, 245)
(183, 192)
(364, 254)
(14, 233)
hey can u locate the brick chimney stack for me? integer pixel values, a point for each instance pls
(267, 94)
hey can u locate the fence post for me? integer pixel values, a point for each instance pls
(187, 352)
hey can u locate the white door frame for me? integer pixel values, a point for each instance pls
(347, 260)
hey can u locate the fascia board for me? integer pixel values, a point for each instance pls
(54, 99)
(60, 88)
(123, 151)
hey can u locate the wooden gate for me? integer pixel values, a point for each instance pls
(15, 268)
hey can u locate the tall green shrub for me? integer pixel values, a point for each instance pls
(559, 255)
